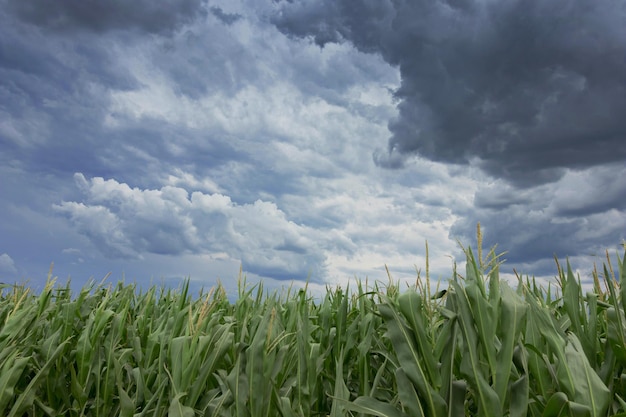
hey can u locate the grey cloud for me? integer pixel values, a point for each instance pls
(125, 222)
(101, 226)
(226, 18)
(37, 68)
(580, 193)
(162, 16)
(524, 89)
(56, 96)
(500, 197)
(596, 190)
(64, 93)
(210, 59)
(581, 214)
(361, 22)
(60, 97)
(206, 61)
(388, 159)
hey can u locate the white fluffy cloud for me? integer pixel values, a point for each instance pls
(7, 266)
(126, 222)
(348, 229)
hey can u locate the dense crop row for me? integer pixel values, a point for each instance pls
(479, 347)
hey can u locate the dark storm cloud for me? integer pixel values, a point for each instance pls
(55, 90)
(161, 16)
(54, 98)
(582, 193)
(581, 214)
(37, 66)
(525, 89)
(533, 235)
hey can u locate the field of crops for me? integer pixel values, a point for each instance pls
(478, 348)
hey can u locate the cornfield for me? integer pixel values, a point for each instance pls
(479, 347)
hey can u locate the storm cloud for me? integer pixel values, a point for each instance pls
(162, 16)
(211, 134)
(523, 89)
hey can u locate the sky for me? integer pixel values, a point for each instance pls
(312, 140)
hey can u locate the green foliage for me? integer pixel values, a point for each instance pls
(478, 347)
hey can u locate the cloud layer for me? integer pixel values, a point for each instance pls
(209, 134)
(125, 222)
(163, 16)
(523, 89)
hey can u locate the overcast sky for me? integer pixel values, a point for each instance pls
(157, 140)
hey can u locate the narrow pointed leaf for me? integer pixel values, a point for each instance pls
(373, 407)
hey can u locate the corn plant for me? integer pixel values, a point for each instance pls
(476, 347)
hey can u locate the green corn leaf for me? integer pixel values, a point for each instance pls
(512, 321)
(456, 404)
(579, 410)
(17, 324)
(556, 406)
(622, 280)
(579, 323)
(285, 409)
(127, 405)
(378, 378)
(410, 305)
(218, 349)
(408, 396)
(405, 346)
(12, 370)
(471, 369)
(176, 409)
(178, 357)
(616, 333)
(482, 313)
(373, 407)
(257, 358)
(588, 388)
(560, 406)
(536, 345)
(446, 349)
(571, 299)
(519, 397)
(237, 381)
(26, 397)
(494, 288)
(341, 392)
